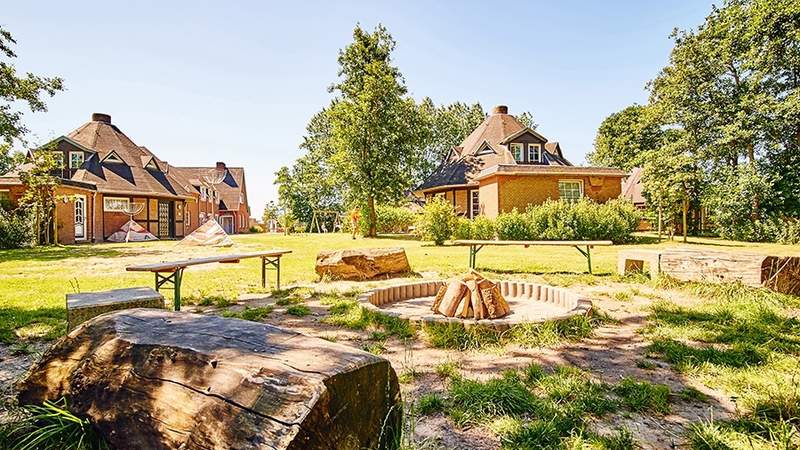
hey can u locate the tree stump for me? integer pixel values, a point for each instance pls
(361, 264)
(162, 380)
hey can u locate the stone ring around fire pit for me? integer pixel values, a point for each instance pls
(529, 302)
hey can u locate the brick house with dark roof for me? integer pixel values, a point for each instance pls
(504, 165)
(104, 172)
(233, 211)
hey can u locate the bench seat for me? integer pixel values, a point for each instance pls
(85, 305)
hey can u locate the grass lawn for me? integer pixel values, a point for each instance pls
(732, 341)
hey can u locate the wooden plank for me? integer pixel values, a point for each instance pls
(526, 243)
(173, 265)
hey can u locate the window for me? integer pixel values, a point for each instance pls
(516, 150)
(5, 197)
(188, 219)
(202, 193)
(486, 151)
(113, 158)
(475, 204)
(534, 152)
(241, 198)
(115, 204)
(570, 190)
(75, 160)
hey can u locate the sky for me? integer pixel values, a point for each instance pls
(203, 81)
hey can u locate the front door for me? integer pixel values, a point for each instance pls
(164, 219)
(80, 217)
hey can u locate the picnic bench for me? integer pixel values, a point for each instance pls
(476, 245)
(174, 269)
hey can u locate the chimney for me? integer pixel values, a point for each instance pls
(500, 109)
(220, 165)
(101, 117)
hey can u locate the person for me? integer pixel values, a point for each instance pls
(355, 215)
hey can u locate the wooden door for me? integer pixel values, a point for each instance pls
(163, 220)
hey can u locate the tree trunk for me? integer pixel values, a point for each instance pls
(373, 231)
(685, 213)
(660, 223)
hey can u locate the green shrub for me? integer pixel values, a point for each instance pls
(48, 426)
(16, 229)
(789, 233)
(513, 226)
(437, 222)
(481, 228)
(388, 219)
(255, 229)
(614, 220)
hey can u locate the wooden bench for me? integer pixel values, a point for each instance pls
(476, 245)
(85, 305)
(175, 269)
(633, 261)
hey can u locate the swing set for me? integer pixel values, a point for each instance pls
(318, 220)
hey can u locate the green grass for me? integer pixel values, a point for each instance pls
(253, 314)
(50, 425)
(298, 310)
(456, 336)
(744, 342)
(533, 408)
(348, 313)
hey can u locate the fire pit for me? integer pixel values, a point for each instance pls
(528, 303)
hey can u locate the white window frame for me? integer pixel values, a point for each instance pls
(83, 159)
(514, 146)
(202, 192)
(113, 157)
(474, 195)
(106, 207)
(82, 199)
(580, 187)
(241, 198)
(535, 149)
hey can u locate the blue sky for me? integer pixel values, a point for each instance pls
(199, 81)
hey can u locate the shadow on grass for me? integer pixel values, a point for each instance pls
(31, 324)
(57, 252)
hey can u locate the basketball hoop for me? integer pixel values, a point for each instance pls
(215, 177)
(131, 210)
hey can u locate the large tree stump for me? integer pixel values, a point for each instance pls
(362, 264)
(779, 273)
(163, 380)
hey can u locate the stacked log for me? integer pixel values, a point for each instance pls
(472, 296)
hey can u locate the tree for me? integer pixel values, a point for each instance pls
(672, 179)
(15, 90)
(624, 136)
(39, 195)
(447, 126)
(375, 128)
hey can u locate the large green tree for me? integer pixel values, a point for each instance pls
(447, 126)
(375, 128)
(17, 90)
(624, 137)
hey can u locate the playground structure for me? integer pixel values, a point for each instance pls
(318, 221)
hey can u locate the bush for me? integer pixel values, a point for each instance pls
(789, 233)
(255, 229)
(614, 220)
(390, 219)
(437, 222)
(16, 229)
(480, 227)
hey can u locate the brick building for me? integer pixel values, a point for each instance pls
(105, 172)
(504, 165)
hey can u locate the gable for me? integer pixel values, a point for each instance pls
(113, 157)
(525, 135)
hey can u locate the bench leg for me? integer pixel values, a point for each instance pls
(473, 255)
(587, 254)
(263, 273)
(276, 263)
(175, 279)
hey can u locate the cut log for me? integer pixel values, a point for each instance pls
(162, 380)
(779, 273)
(362, 264)
(471, 297)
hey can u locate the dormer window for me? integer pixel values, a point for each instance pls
(202, 193)
(487, 150)
(113, 158)
(535, 153)
(516, 150)
(75, 160)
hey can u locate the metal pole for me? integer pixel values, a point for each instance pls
(263, 272)
(279, 273)
(177, 283)
(589, 258)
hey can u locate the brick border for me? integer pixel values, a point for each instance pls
(576, 304)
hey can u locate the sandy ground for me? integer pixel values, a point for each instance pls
(610, 354)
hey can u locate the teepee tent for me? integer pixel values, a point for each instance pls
(208, 234)
(131, 232)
